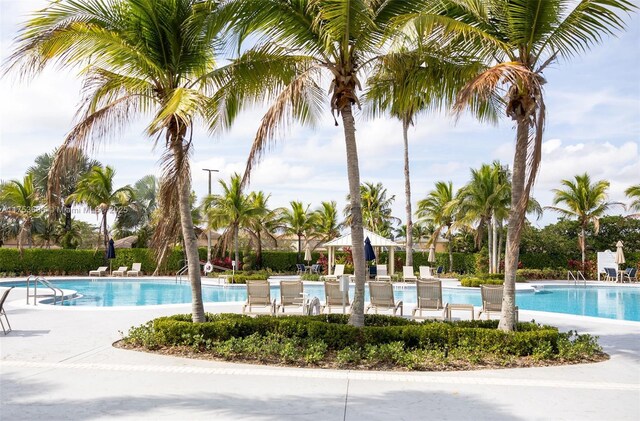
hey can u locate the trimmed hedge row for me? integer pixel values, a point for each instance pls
(334, 331)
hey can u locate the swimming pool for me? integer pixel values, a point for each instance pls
(597, 301)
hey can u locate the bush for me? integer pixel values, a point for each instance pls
(547, 273)
(383, 341)
(474, 282)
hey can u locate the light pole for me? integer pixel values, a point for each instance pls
(208, 229)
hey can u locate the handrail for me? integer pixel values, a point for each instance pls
(576, 277)
(44, 282)
(181, 272)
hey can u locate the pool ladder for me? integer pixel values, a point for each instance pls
(575, 277)
(185, 269)
(46, 284)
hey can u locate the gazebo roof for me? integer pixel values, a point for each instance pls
(376, 240)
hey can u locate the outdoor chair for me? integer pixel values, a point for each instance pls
(122, 271)
(381, 297)
(429, 298)
(425, 272)
(337, 272)
(408, 275)
(333, 297)
(439, 271)
(492, 300)
(102, 270)
(259, 295)
(316, 269)
(5, 294)
(291, 295)
(136, 270)
(630, 275)
(610, 274)
(382, 274)
(301, 269)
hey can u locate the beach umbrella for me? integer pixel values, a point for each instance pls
(307, 253)
(111, 252)
(432, 254)
(369, 254)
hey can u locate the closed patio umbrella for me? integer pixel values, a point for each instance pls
(369, 254)
(619, 254)
(307, 253)
(432, 254)
(111, 252)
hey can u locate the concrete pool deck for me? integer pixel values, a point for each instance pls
(58, 363)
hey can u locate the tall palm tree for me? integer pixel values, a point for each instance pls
(519, 39)
(231, 210)
(22, 205)
(633, 193)
(96, 190)
(263, 222)
(376, 209)
(584, 201)
(68, 179)
(439, 208)
(137, 216)
(299, 221)
(298, 41)
(424, 75)
(327, 225)
(132, 66)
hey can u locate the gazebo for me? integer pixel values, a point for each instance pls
(377, 241)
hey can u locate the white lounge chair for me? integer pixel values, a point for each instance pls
(101, 271)
(425, 272)
(381, 297)
(5, 294)
(429, 298)
(338, 272)
(291, 296)
(333, 298)
(492, 300)
(259, 295)
(122, 271)
(382, 274)
(136, 270)
(408, 275)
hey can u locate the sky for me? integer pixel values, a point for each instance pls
(593, 126)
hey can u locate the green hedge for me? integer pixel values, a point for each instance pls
(384, 340)
(462, 262)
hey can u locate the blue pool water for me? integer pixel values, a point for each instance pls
(598, 301)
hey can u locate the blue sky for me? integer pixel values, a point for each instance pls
(593, 125)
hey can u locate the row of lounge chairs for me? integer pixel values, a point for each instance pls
(136, 270)
(408, 275)
(429, 299)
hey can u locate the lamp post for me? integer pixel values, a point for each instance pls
(208, 229)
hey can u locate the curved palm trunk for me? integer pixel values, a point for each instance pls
(357, 236)
(407, 193)
(189, 235)
(516, 223)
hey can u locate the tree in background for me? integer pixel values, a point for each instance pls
(137, 216)
(439, 208)
(96, 190)
(585, 201)
(376, 209)
(633, 193)
(299, 221)
(327, 225)
(22, 204)
(231, 210)
(264, 222)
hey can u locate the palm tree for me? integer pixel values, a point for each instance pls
(376, 209)
(137, 216)
(327, 225)
(298, 41)
(408, 82)
(439, 208)
(231, 210)
(584, 201)
(264, 221)
(22, 204)
(133, 66)
(67, 180)
(633, 193)
(298, 221)
(96, 190)
(519, 40)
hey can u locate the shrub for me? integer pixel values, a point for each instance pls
(310, 277)
(383, 341)
(473, 282)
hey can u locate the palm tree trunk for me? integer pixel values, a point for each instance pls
(259, 250)
(516, 223)
(67, 218)
(500, 241)
(583, 244)
(105, 232)
(407, 193)
(494, 247)
(236, 232)
(357, 236)
(189, 236)
(299, 247)
(490, 247)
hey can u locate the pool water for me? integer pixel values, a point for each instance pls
(597, 301)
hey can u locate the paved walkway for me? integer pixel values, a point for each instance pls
(58, 363)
